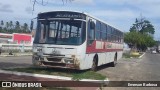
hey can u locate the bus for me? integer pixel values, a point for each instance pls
(75, 40)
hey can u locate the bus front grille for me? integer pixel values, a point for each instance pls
(54, 59)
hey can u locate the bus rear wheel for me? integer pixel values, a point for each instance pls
(94, 64)
(115, 61)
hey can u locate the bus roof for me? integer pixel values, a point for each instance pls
(86, 15)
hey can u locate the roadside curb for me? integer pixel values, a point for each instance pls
(35, 75)
(106, 81)
(142, 55)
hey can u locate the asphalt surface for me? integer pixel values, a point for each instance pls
(15, 62)
(145, 69)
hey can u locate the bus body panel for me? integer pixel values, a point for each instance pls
(103, 58)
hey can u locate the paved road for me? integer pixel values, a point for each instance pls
(12, 62)
(145, 69)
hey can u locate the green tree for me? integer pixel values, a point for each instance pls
(132, 39)
(143, 26)
(140, 35)
(146, 41)
(137, 40)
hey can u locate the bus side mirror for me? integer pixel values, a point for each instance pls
(92, 25)
(31, 26)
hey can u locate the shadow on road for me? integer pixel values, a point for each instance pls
(104, 66)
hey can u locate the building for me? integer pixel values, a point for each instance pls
(16, 38)
(5, 38)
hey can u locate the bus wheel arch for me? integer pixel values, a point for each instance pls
(95, 63)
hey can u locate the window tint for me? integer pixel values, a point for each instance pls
(109, 30)
(103, 28)
(90, 31)
(108, 33)
(98, 30)
(104, 36)
(61, 32)
(104, 32)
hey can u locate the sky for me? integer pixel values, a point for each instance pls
(118, 13)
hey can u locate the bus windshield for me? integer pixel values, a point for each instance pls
(60, 32)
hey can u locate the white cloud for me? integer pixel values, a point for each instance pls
(115, 14)
(5, 8)
(120, 13)
(146, 7)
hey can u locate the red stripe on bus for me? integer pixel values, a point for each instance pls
(92, 48)
(102, 51)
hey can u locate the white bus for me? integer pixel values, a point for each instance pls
(76, 40)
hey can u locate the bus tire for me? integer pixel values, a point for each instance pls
(115, 61)
(94, 64)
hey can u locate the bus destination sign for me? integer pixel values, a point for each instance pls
(62, 15)
(68, 15)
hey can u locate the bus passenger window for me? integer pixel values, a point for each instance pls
(98, 30)
(91, 32)
(91, 29)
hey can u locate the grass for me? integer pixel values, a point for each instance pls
(76, 75)
(127, 55)
(88, 75)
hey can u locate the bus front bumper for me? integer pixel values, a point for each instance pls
(57, 62)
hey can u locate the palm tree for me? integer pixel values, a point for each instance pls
(17, 26)
(11, 25)
(2, 23)
(25, 27)
(7, 25)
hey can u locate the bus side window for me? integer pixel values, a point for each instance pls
(103, 32)
(91, 31)
(98, 30)
(109, 30)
